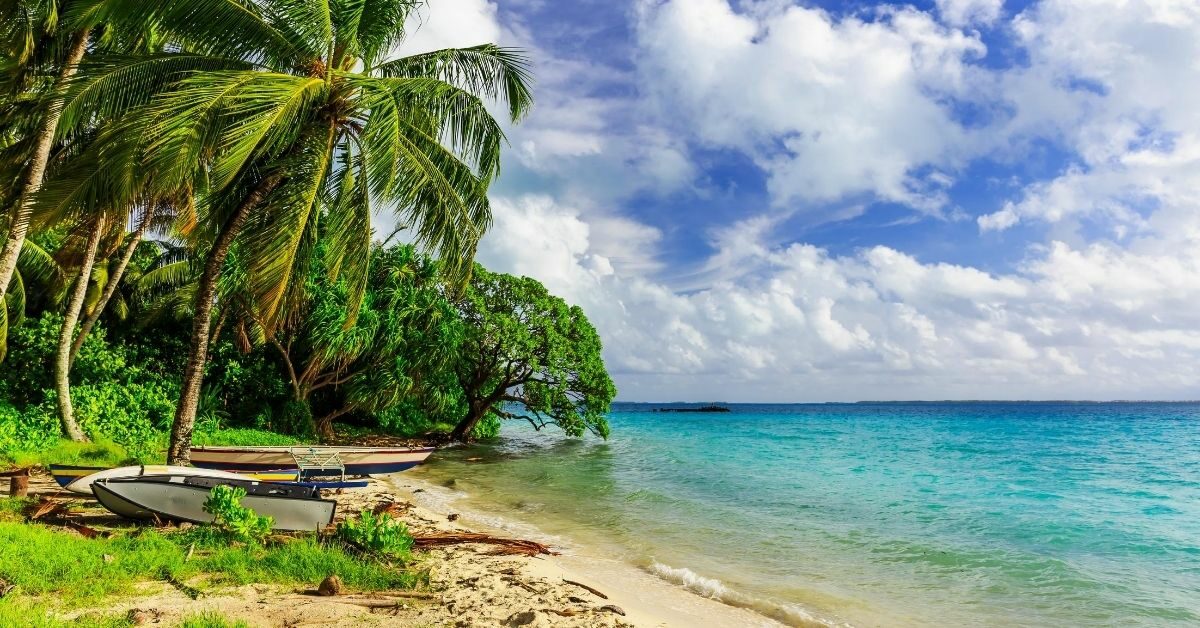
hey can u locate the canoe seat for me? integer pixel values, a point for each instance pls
(316, 461)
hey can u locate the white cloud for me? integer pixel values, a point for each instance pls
(1118, 85)
(453, 23)
(796, 323)
(829, 107)
(967, 12)
(852, 109)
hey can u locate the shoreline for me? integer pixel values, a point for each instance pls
(470, 585)
(650, 599)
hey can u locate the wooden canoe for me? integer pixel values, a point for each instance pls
(355, 460)
(78, 479)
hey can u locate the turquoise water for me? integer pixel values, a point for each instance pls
(883, 514)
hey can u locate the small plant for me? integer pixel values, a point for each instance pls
(225, 505)
(380, 534)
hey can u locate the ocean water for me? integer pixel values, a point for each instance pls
(975, 514)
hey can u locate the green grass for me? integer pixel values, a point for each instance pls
(74, 570)
(305, 561)
(247, 437)
(211, 619)
(22, 612)
(95, 454)
(43, 561)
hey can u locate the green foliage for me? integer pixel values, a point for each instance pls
(31, 430)
(296, 418)
(117, 395)
(487, 427)
(224, 503)
(211, 619)
(380, 534)
(528, 355)
(248, 437)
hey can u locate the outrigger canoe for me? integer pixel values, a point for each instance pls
(79, 479)
(313, 460)
(182, 497)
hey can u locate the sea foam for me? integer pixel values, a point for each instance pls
(714, 589)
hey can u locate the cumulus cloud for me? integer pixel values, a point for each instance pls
(1119, 86)
(856, 108)
(967, 12)
(828, 106)
(797, 323)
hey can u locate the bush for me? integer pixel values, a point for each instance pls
(225, 505)
(380, 534)
(32, 430)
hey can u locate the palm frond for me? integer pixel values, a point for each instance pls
(229, 28)
(490, 71)
(275, 235)
(109, 86)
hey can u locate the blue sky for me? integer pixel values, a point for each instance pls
(806, 201)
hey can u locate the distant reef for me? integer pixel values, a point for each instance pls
(708, 408)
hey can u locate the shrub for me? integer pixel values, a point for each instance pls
(31, 430)
(224, 503)
(380, 534)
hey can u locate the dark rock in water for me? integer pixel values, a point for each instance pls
(330, 586)
(452, 516)
(708, 408)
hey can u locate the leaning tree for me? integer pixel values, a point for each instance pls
(528, 355)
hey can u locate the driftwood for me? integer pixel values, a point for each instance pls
(566, 612)
(55, 513)
(504, 546)
(586, 587)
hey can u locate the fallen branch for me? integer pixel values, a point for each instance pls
(587, 588)
(506, 546)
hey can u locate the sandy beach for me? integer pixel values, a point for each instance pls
(470, 585)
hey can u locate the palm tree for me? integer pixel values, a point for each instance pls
(62, 360)
(281, 114)
(31, 36)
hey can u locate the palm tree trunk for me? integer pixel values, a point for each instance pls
(18, 228)
(62, 360)
(179, 452)
(113, 281)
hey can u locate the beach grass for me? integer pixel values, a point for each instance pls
(211, 619)
(47, 564)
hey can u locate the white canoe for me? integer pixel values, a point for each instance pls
(181, 498)
(84, 484)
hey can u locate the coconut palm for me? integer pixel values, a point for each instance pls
(35, 41)
(280, 114)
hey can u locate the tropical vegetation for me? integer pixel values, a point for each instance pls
(190, 196)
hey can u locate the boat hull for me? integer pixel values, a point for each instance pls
(79, 479)
(357, 460)
(181, 498)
